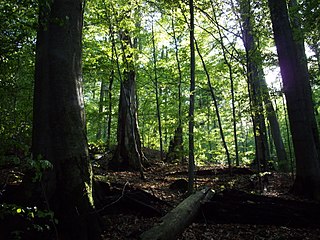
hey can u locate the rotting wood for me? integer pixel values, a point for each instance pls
(174, 223)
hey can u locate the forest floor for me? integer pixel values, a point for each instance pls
(126, 216)
(160, 182)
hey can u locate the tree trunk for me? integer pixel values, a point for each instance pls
(232, 97)
(301, 52)
(283, 162)
(176, 47)
(109, 118)
(175, 151)
(260, 87)
(177, 147)
(214, 99)
(157, 93)
(299, 102)
(59, 133)
(110, 86)
(254, 74)
(192, 97)
(128, 154)
(100, 111)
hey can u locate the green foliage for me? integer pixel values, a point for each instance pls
(26, 219)
(97, 147)
(102, 54)
(103, 67)
(38, 166)
(16, 75)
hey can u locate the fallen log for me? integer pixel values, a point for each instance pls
(233, 206)
(174, 223)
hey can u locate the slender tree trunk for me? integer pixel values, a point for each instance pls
(288, 135)
(192, 98)
(109, 121)
(231, 87)
(100, 111)
(209, 131)
(110, 86)
(299, 102)
(283, 163)
(176, 148)
(157, 92)
(59, 134)
(234, 119)
(255, 74)
(176, 47)
(216, 108)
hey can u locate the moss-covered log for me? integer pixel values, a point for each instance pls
(174, 223)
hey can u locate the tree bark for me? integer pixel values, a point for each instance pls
(192, 98)
(301, 52)
(297, 90)
(59, 133)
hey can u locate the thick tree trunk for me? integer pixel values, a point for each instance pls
(299, 102)
(59, 134)
(301, 52)
(128, 154)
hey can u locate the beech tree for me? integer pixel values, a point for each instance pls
(297, 90)
(59, 133)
